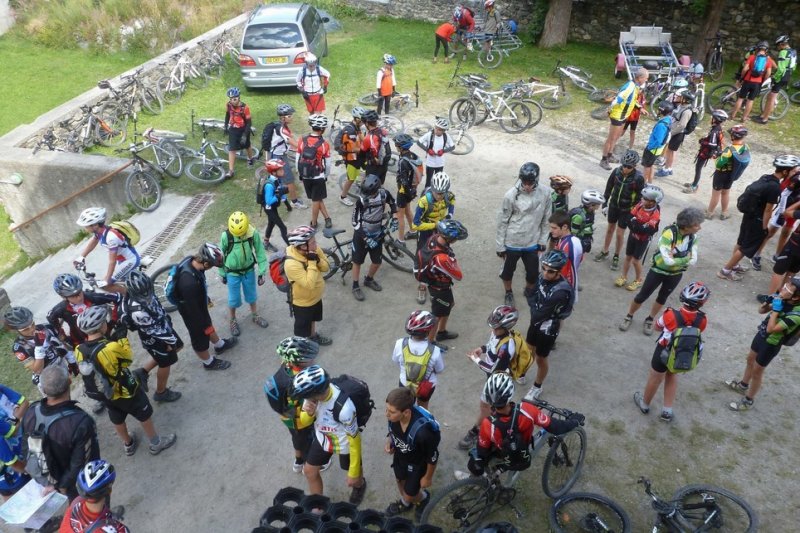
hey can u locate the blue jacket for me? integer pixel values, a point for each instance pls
(270, 198)
(659, 136)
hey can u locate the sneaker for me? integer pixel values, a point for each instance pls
(736, 385)
(288, 205)
(313, 225)
(745, 404)
(218, 364)
(509, 298)
(615, 263)
(130, 449)
(321, 339)
(328, 223)
(469, 441)
(634, 285)
(297, 468)
(469, 46)
(730, 276)
(420, 507)
(298, 204)
(461, 475)
(228, 175)
(620, 281)
(663, 172)
(740, 269)
(167, 396)
(396, 508)
(613, 159)
(724, 216)
(756, 262)
(235, 331)
(358, 294)
(411, 234)
(667, 416)
(533, 393)
(164, 442)
(251, 161)
(357, 494)
(626, 323)
(647, 328)
(759, 120)
(259, 320)
(709, 215)
(399, 243)
(600, 256)
(687, 184)
(422, 295)
(774, 258)
(604, 164)
(638, 399)
(689, 190)
(445, 335)
(372, 284)
(98, 408)
(270, 248)
(346, 201)
(227, 345)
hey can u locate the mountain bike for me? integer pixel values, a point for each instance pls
(400, 103)
(795, 98)
(142, 185)
(209, 162)
(160, 278)
(693, 508)
(131, 96)
(553, 96)
(91, 127)
(724, 97)
(513, 116)
(462, 506)
(715, 62)
(577, 75)
(464, 143)
(217, 55)
(165, 150)
(186, 71)
(90, 278)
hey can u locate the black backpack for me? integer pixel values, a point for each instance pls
(309, 165)
(266, 136)
(39, 442)
(685, 346)
(358, 392)
(692, 124)
(750, 202)
(512, 444)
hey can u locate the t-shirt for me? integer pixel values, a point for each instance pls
(330, 433)
(435, 363)
(750, 64)
(425, 448)
(113, 241)
(79, 518)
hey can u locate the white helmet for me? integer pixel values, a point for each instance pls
(442, 122)
(499, 389)
(440, 182)
(93, 318)
(91, 216)
(318, 122)
(653, 193)
(592, 196)
(310, 58)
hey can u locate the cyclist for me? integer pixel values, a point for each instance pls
(492, 23)
(777, 330)
(91, 508)
(522, 228)
(693, 296)
(237, 126)
(623, 187)
(658, 140)
(413, 441)
(13, 477)
(559, 197)
(569, 244)
(550, 303)
(333, 434)
(684, 100)
(787, 260)
(619, 110)
(722, 180)
(194, 302)
(757, 68)
(419, 359)
(282, 142)
(122, 390)
(314, 167)
(122, 256)
(274, 193)
(348, 145)
(386, 84)
(312, 82)
(305, 273)
(436, 143)
(581, 219)
(434, 205)
(376, 150)
(493, 357)
(710, 148)
(409, 173)
(782, 216)
(787, 62)
(439, 270)
(644, 222)
(243, 254)
(444, 34)
(368, 232)
(677, 251)
(142, 312)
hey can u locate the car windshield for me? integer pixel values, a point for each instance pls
(272, 36)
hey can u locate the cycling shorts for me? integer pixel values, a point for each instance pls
(301, 440)
(765, 352)
(617, 122)
(352, 172)
(777, 86)
(315, 189)
(319, 457)
(721, 181)
(530, 260)
(788, 260)
(360, 249)
(139, 407)
(124, 269)
(636, 248)
(409, 473)
(648, 158)
(618, 216)
(304, 317)
(441, 301)
(541, 341)
(750, 90)
(676, 141)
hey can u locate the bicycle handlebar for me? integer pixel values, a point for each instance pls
(561, 411)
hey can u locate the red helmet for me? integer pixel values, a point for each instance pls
(695, 294)
(273, 165)
(447, 266)
(503, 316)
(420, 323)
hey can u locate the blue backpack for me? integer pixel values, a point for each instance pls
(170, 287)
(426, 418)
(759, 66)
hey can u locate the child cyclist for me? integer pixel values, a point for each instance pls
(408, 176)
(386, 83)
(645, 219)
(581, 219)
(710, 148)
(419, 359)
(274, 194)
(567, 243)
(434, 205)
(561, 186)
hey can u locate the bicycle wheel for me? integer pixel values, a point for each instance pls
(490, 58)
(150, 100)
(171, 91)
(706, 507)
(333, 261)
(159, 278)
(602, 95)
(368, 99)
(564, 462)
(582, 83)
(515, 118)
(555, 100)
(398, 256)
(355, 188)
(464, 143)
(196, 78)
(459, 507)
(578, 71)
(585, 511)
(213, 69)
(401, 106)
(600, 113)
(143, 190)
(392, 123)
(205, 171)
(463, 110)
(111, 130)
(795, 98)
(781, 105)
(536, 112)
(722, 97)
(418, 129)
(171, 160)
(715, 65)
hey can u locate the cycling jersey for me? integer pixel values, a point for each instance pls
(668, 323)
(46, 345)
(643, 223)
(375, 146)
(113, 241)
(559, 202)
(659, 136)
(312, 80)
(368, 212)
(237, 116)
(408, 349)
(280, 141)
(153, 324)
(337, 436)
(65, 312)
(498, 354)
(113, 359)
(278, 390)
(787, 319)
(550, 302)
(572, 247)
(433, 142)
(748, 76)
(430, 211)
(409, 170)
(676, 252)
(712, 144)
(625, 101)
(434, 276)
(787, 59)
(622, 191)
(724, 162)
(494, 429)
(79, 519)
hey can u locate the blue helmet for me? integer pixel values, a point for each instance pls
(95, 480)
(555, 259)
(389, 59)
(309, 382)
(233, 92)
(404, 141)
(452, 230)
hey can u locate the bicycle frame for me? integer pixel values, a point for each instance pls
(495, 107)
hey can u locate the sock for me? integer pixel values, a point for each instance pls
(473, 430)
(667, 410)
(537, 385)
(425, 496)
(129, 443)
(648, 318)
(604, 158)
(355, 284)
(155, 440)
(748, 398)
(404, 503)
(208, 361)
(616, 256)
(645, 404)
(220, 343)
(298, 460)
(342, 197)
(509, 292)
(628, 316)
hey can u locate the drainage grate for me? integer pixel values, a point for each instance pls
(193, 209)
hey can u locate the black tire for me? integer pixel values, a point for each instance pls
(795, 98)
(151, 100)
(656, 100)
(715, 65)
(464, 143)
(536, 112)
(398, 256)
(782, 105)
(516, 118)
(170, 91)
(564, 462)
(458, 507)
(206, 172)
(111, 128)
(722, 97)
(401, 106)
(602, 95)
(735, 515)
(198, 79)
(585, 85)
(173, 163)
(585, 511)
(418, 129)
(555, 100)
(159, 278)
(143, 190)
(213, 69)
(600, 113)
(333, 261)
(463, 110)
(368, 99)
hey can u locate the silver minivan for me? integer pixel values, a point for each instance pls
(274, 41)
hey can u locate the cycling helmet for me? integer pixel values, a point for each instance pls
(91, 216)
(786, 161)
(233, 92)
(404, 141)
(653, 193)
(309, 382)
(686, 94)
(18, 318)
(554, 259)
(318, 122)
(92, 318)
(420, 323)
(796, 282)
(140, 286)
(695, 294)
(296, 350)
(358, 112)
(370, 116)
(310, 58)
(665, 108)
(274, 165)
(67, 285)
(95, 480)
(762, 45)
(680, 83)
(211, 253)
(452, 230)
(442, 123)
(592, 196)
(630, 158)
(719, 115)
(238, 224)
(560, 182)
(503, 316)
(498, 527)
(284, 110)
(371, 185)
(488, 3)
(738, 132)
(499, 389)
(389, 59)
(301, 235)
(529, 172)
(782, 39)
(440, 182)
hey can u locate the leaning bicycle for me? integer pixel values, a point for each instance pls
(577, 75)
(724, 97)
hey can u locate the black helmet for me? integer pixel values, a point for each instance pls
(284, 110)
(555, 259)
(18, 318)
(665, 108)
(404, 140)
(371, 185)
(140, 286)
(630, 158)
(370, 116)
(67, 285)
(529, 172)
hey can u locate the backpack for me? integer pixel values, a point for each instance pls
(750, 201)
(792, 336)
(385, 148)
(277, 272)
(685, 347)
(128, 231)
(422, 261)
(444, 139)
(229, 244)
(512, 443)
(523, 359)
(261, 182)
(692, 124)
(416, 366)
(39, 442)
(426, 418)
(309, 165)
(267, 134)
(170, 286)
(759, 66)
(739, 162)
(358, 392)
(104, 391)
(792, 57)
(416, 167)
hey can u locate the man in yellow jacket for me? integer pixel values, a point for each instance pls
(618, 112)
(304, 268)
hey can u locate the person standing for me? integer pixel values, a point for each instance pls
(710, 148)
(419, 359)
(278, 148)
(434, 205)
(386, 84)
(723, 172)
(436, 143)
(644, 222)
(274, 194)
(314, 167)
(348, 144)
(619, 110)
(237, 126)
(91, 510)
(561, 233)
(757, 68)
(305, 267)
(787, 62)
(13, 477)
(677, 130)
(409, 173)
(312, 82)
(657, 141)
(376, 150)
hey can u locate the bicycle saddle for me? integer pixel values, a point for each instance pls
(330, 232)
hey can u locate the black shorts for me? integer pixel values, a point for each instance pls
(403, 199)
(441, 301)
(411, 474)
(636, 248)
(378, 170)
(618, 216)
(304, 317)
(615, 122)
(656, 363)
(653, 280)
(197, 334)
(630, 124)
(751, 235)
(316, 190)
(530, 260)
(301, 440)
(788, 260)
(164, 358)
(750, 90)
(542, 342)
(676, 141)
(765, 353)
(139, 407)
(648, 158)
(319, 457)
(234, 139)
(721, 181)
(360, 249)
(780, 84)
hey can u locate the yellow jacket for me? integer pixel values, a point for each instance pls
(114, 357)
(308, 285)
